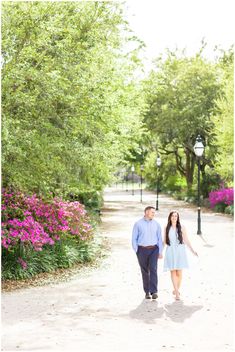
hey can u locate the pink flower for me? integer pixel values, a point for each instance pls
(31, 220)
(22, 263)
(224, 195)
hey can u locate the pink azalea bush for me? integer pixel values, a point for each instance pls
(29, 221)
(223, 196)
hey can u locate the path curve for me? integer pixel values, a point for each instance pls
(104, 309)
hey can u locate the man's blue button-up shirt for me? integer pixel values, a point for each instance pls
(147, 233)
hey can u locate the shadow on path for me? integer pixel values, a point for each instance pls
(206, 244)
(178, 312)
(148, 311)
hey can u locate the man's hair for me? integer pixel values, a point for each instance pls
(148, 208)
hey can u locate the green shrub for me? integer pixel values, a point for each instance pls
(206, 203)
(229, 210)
(90, 198)
(210, 182)
(220, 207)
(61, 255)
(174, 183)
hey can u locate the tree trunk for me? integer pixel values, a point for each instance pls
(189, 169)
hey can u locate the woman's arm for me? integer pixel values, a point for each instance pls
(186, 240)
(164, 237)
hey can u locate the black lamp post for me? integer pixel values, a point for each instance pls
(141, 182)
(198, 150)
(158, 162)
(132, 171)
(123, 177)
(126, 176)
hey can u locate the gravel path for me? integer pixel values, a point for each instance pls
(104, 309)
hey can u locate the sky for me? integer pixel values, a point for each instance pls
(169, 24)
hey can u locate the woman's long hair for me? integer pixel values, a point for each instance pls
(178, 227)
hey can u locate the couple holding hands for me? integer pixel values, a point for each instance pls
(148, 245)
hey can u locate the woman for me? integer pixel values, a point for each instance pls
(175, 237)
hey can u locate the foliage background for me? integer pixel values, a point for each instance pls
(78, 111)
(69, 100)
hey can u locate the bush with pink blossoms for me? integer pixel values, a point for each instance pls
(221, 199)
(59, 230)
(32, 221)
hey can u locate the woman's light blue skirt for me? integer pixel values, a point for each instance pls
(175, 257)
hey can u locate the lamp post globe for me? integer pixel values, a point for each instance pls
(158, 162)
(198, 147)
(198, 150)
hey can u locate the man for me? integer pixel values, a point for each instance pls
(147, 243)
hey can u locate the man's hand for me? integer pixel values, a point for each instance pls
(160, 256)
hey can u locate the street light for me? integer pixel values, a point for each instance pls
(158, 162)
(132, 170)
(123, 177)
(126, 179)
(141, 181)
(198, 150)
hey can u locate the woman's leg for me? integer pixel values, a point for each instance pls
(179, 277)
(174, 280)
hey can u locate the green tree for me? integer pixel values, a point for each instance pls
(181, 94)
(69, 100)
(224, 126)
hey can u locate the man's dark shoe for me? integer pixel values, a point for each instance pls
(154, 295)
(148, 296)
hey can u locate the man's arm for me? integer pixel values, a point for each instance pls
(135, 233)
(160, 244)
